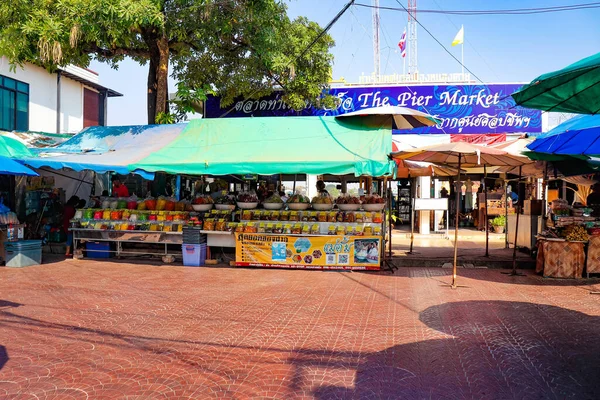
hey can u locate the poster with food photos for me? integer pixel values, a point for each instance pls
(308, 252)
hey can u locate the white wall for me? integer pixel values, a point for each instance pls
(42, 98)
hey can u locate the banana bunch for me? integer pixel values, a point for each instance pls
(575, 233)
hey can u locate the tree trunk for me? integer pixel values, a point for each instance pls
(151, 101)
(162, 75)
(158, 73)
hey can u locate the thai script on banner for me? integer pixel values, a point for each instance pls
(461, 108)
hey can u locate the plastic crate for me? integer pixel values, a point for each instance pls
(98, 250)
(23, 253)
(194, 255)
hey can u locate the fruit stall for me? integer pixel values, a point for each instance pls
(571, 243)
(300, 233)
(342, 233)
(319, 233)
(315, 234)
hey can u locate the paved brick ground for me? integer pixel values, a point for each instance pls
(77, 330)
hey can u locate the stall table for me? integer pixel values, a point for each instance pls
(83, 235)
(593, 256)
(558, 258)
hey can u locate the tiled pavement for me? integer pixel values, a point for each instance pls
(82, 329)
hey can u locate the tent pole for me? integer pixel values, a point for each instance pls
(485, 219)
(294, 189)
(456, 228)
(412, 215)
(544, 206)
(390, 219)
(505, 216)
(517, 210)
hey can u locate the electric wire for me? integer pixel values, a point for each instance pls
(385, 38)
(516, 11)
(440, 43)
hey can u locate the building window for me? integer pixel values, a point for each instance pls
(14, 105)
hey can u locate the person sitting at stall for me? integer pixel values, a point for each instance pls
(321, 188)
(82, 203)
(119, 190)
(513, 196)
(68, 214)
(593, 198)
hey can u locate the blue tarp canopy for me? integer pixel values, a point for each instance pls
(578, 136)
(107, 148)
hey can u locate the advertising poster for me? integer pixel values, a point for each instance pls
(308, 252)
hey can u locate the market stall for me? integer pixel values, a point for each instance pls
(14, 251)
(302, 232)
(571, 233)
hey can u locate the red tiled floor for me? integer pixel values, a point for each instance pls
(83, 329)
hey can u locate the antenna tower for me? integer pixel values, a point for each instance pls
(412, 37)
(376, 55)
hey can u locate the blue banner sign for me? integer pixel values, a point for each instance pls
(463, 109)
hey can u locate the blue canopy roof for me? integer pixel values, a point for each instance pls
(11, 167)
(578, 136)
(107, 148)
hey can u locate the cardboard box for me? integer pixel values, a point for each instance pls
(532, 207)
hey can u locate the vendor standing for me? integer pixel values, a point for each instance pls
(321, 188)
(119, 190)
(68, 214)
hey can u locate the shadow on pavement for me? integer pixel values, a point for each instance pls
(486, 349)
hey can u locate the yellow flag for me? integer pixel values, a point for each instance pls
(459, 38)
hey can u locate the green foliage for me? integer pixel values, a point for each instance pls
(165, 118)
(500, 220)
(228, 47)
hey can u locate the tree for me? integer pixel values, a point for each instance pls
(227, 47)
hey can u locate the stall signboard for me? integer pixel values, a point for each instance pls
(431, 204)
(308, 252)
(462, 108)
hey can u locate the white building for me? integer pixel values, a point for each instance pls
(32, 99)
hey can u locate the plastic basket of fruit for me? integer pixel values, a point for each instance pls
(274, 202)
(348, 203)
(202, 203)
(322, 202)
(298, 202)
(247, 200)
(373, 203)
(225, 203)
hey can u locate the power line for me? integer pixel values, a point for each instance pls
(438, 42)
(515, 11)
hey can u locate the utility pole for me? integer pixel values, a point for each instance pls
(376, 53)
(412, 38)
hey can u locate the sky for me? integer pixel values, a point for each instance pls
(498, 48)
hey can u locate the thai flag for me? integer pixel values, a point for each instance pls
(402, 44)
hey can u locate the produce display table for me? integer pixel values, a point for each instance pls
(164, 239)
(559, 258)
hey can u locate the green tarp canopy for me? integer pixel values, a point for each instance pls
(573, 89)
(275, 145)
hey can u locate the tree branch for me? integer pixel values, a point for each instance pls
(116, 52)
